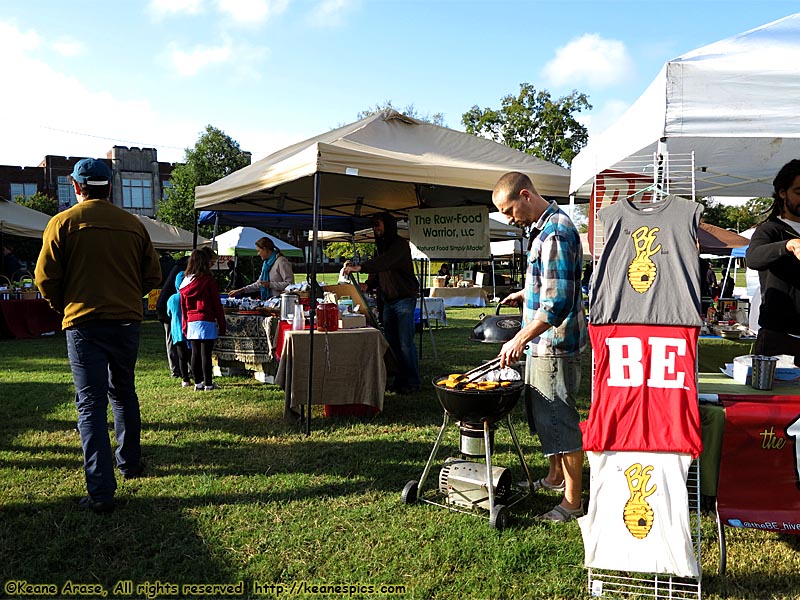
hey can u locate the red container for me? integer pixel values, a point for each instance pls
(327, 317)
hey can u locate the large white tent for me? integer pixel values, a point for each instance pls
(733, 103)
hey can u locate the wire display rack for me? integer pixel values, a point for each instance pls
(647, 178)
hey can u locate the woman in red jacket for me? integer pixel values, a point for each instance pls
(203, 317)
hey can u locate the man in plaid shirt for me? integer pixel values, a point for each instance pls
(552, 335)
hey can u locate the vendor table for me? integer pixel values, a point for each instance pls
(27, 319)
(250, 343)
(750, 440)
(714, 390)
(348, 368)
(460, 296)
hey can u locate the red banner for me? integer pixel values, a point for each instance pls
(759, 476)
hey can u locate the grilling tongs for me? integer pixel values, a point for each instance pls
(477, 372)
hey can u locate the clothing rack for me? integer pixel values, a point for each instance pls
(647, 178)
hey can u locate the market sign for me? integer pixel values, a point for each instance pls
(451, 233)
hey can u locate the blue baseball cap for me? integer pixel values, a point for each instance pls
(91, 171)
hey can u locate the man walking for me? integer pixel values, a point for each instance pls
(552, 336)
(96, 263)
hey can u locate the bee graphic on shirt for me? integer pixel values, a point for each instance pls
(642, 271)
(637, 513)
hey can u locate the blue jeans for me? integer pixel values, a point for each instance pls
(102, 355)
(398, 324)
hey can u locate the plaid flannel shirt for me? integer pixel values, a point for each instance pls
(553, 285)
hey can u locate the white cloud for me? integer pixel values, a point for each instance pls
(589, 59)
(329, 13)
(252, 12)
(85, 121)
(169, 8)
(68, 47)
(190, 62)
(15, 42)
(243, 61)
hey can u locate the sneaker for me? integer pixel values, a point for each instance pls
(543, 484)
(97, 507)
(209, 388)
(559, 514)
(198, 387)
(186, 384)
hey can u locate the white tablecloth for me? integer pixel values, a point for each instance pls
(460, 296)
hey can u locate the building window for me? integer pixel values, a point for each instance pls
(66, 193)
(137, 193)
(26, 190)
(165, 185)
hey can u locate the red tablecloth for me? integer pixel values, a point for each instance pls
(27, 318)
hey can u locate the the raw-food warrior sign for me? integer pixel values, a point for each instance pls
(454, 233)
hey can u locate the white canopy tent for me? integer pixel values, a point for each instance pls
(241, 241)
(169, 237)
(733, 103)
(16, 219)
(385, 162)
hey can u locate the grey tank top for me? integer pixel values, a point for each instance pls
(649, 271)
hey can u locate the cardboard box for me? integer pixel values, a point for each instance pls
(353, 321)
(348, 289)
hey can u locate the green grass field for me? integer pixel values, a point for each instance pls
(235, 494)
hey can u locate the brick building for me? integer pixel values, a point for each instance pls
(138, 185)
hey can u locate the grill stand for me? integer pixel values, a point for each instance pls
(498, 513)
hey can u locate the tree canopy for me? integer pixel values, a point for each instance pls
(344, 250)
(534, 123)
(214, 156)
(736, 218)
(41, 202)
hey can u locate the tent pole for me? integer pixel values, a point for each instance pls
(313, 307)
(196, 226)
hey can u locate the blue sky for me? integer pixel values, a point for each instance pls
(84, 75)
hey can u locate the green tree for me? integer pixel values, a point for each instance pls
(344, 250)
(214, 156)
(736, 218)
(534, 123)
(409, 111)
(39, 201)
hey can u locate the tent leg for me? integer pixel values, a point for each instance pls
(313, 308)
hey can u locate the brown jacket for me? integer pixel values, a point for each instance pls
(97, 262)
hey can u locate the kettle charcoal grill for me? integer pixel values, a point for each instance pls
(467, 485)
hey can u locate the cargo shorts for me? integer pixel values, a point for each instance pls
(551, 389)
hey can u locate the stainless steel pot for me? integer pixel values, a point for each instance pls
(497, 328)
(288, 303)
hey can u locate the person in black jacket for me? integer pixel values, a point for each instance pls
(398, 289)
(775, 253)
